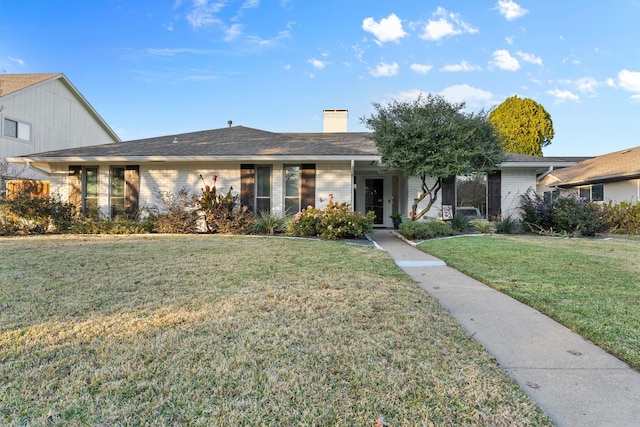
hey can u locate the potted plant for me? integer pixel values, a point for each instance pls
(397, 219)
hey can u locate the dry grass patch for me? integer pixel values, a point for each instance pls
(213, 330)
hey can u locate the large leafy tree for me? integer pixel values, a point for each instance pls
(432, 138)
(524, 126)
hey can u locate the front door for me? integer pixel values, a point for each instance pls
(374, 199)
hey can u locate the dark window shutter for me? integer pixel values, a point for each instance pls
(307, 185)
(494, 199)
(132, 190)
(449, 193)
(247, 186)
(75, 186)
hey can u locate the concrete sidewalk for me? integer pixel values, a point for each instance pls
(573, 381)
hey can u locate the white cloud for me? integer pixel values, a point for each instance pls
(529, 57)
(389, 29)
(630, 80)
(316, 63)
(503, 60)
(385, 70)
(421, 68)
(233, 32)
(447, 24)
(474, 98)
(563, 95)
(407, 95)
(509, 40)
(287, 67)
(174, 51)
(510, 9)
(462, 66)
(250, 4)
(260, 42)
(587, 85)
(203, 13)
(17, 60)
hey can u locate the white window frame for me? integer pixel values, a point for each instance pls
(590, 188)
(23, 129)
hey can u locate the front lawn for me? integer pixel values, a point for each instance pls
(214, 330)
(592, 286)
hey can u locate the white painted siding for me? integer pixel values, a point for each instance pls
(415, 189)
(515, 183)
(161, 178)
(617, 192)
(335, 179)
(58, 120)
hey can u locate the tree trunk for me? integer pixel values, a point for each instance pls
(426, 191)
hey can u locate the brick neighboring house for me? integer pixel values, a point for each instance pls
(275, 172)
(613, 177)
(44, 112)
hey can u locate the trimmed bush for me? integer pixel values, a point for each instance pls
(26, 214)
(336, 221)
(422, 230)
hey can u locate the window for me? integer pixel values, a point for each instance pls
(593, 193)
(263, 189)
(291, 189)
(550, 196)
(90, 191)
(16, 129)
(117, 191)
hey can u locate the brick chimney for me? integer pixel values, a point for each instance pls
(335, 120)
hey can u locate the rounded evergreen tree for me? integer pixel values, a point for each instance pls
(524, 126)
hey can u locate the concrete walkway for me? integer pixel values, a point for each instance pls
(573, 381)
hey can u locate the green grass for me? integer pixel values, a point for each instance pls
(215, 330)
(591, 286)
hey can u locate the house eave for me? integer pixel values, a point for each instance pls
(535, 164)
(189, 159)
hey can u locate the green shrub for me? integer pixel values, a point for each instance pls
(421, 230)
(508, 225)
(462, 224)
(222, 212)
(27, 214)
(565, 215)
(103, 225)
(268, 223)
(336, 221)
(623, 218)
(483, 226)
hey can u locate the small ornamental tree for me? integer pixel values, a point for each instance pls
(524, 126)
(430, 137)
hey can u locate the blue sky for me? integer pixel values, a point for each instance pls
(155, 67)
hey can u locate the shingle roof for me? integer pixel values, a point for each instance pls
(10, 83)
(230, 142)
(618, 166)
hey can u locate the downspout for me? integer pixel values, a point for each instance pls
(37, 169)
(544, 174)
